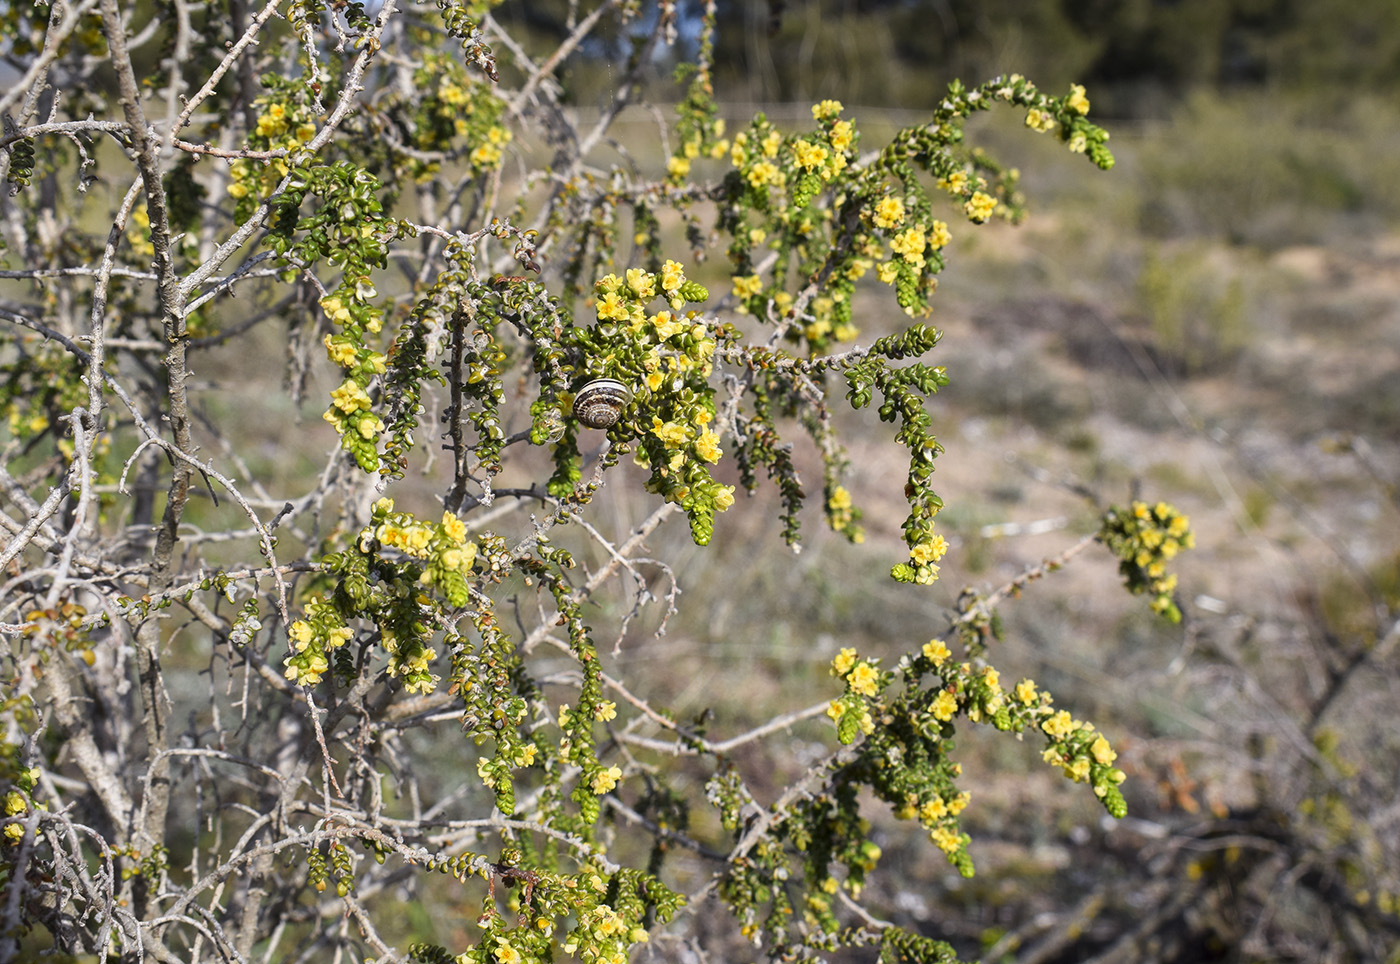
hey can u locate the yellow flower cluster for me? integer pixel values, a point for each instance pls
(909, 244)
(665, 358)
(809, 156)
(944, 706)
(280, 126)
(980, 206)
(860, 675)
(823, 323)
(276, 121)
(1145, 540)
(605, 780)
(842, 135)
(490, 153)
(836, 710)
(1076, 101)
(930, 551)
(311, 638)
(936, 652)
(746, 286)
(889, 212)
(955, 183)
(840, 513)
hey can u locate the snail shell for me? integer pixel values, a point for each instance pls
(599, 404)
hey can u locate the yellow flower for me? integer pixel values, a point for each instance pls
(809, 156)
(1025, 691)
(605, 780)
(14, 831)
(340, 352)
(840, 499)
(841, 135)
(944, 705)
(1103, 753)
(764, 172)
(888, 272)
(611, 307)
(931, 551)
(938, 235)
(642, 282)
(487, 155)
(747, 287)
(865, 680)
(1077, 101)
(1078, 771)
(825, 109)
(300, 634)
(350, 397)
(607, 710)
(980, 206)
(771, 143)
(724, 497)
(455, 528)
(1039, 120)
(909, 244)
(936, 652)
(672, 276)
(669, 432)
(1060, 725)
(889, 212)
(843, 662)
(954, 183)
(309, 672)
(947, 840)
(369, 426)
(678, 167)
(707, 446)
(935, 809)
(836, 709)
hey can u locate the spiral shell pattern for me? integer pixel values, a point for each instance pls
(600, 403)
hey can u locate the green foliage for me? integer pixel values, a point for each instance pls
(1198, 316)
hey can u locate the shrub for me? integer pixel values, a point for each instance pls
(231, 636)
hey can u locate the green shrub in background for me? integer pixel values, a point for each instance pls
(1196, 310)
(216, 682)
